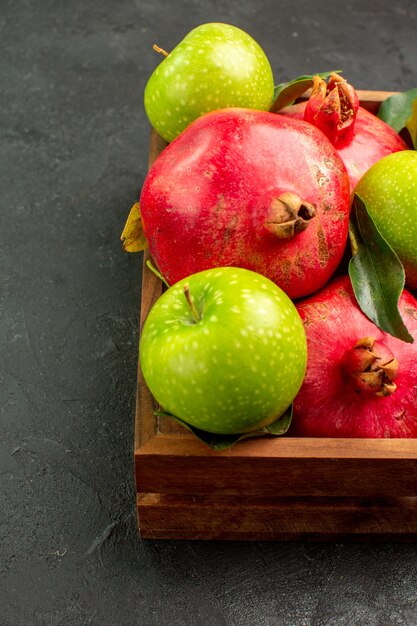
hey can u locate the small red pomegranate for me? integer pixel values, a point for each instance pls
(360, 381)
(250, 189)
(360, 137)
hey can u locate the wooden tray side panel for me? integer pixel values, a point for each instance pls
(175, 465)
(146, 424)
(281, 519)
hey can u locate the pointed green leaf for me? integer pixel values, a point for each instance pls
(216, 442)
(376, 273)
(411, 125)
(282, 424)
(399, 111)
(222, 442)
(287, 93)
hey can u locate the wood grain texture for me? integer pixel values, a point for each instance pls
(146, 426)
(225, 518)
(284, 466)
(271, 488)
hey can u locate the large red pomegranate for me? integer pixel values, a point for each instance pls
(250, 189)
(360, 381)
(360, 137)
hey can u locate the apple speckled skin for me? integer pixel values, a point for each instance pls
(215, 66)
(238, 367)
(389, 190)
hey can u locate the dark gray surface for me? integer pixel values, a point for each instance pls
(73, 158)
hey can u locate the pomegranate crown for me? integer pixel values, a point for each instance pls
(333, 108)
(371, 367)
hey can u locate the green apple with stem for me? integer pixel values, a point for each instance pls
(389, 191)
(215, 66)
(224, 350)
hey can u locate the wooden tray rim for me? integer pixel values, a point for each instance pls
(150, 439)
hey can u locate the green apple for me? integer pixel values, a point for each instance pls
(389, 190)
(215, 66)
(224, 350)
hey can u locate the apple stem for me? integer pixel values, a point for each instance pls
(196, 315)
(160, 50)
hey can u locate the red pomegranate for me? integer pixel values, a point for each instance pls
(360, 381)
(250, 189)
(360, 137)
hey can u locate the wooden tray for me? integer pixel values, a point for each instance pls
(271, 488)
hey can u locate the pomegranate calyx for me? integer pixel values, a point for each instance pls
(333, 108)
(289, 215)
(371, 367)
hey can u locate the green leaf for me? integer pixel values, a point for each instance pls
(411, 125)
(287, 93)
(222, 442)
(281, 425)
(400, 112)
(376, 273)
